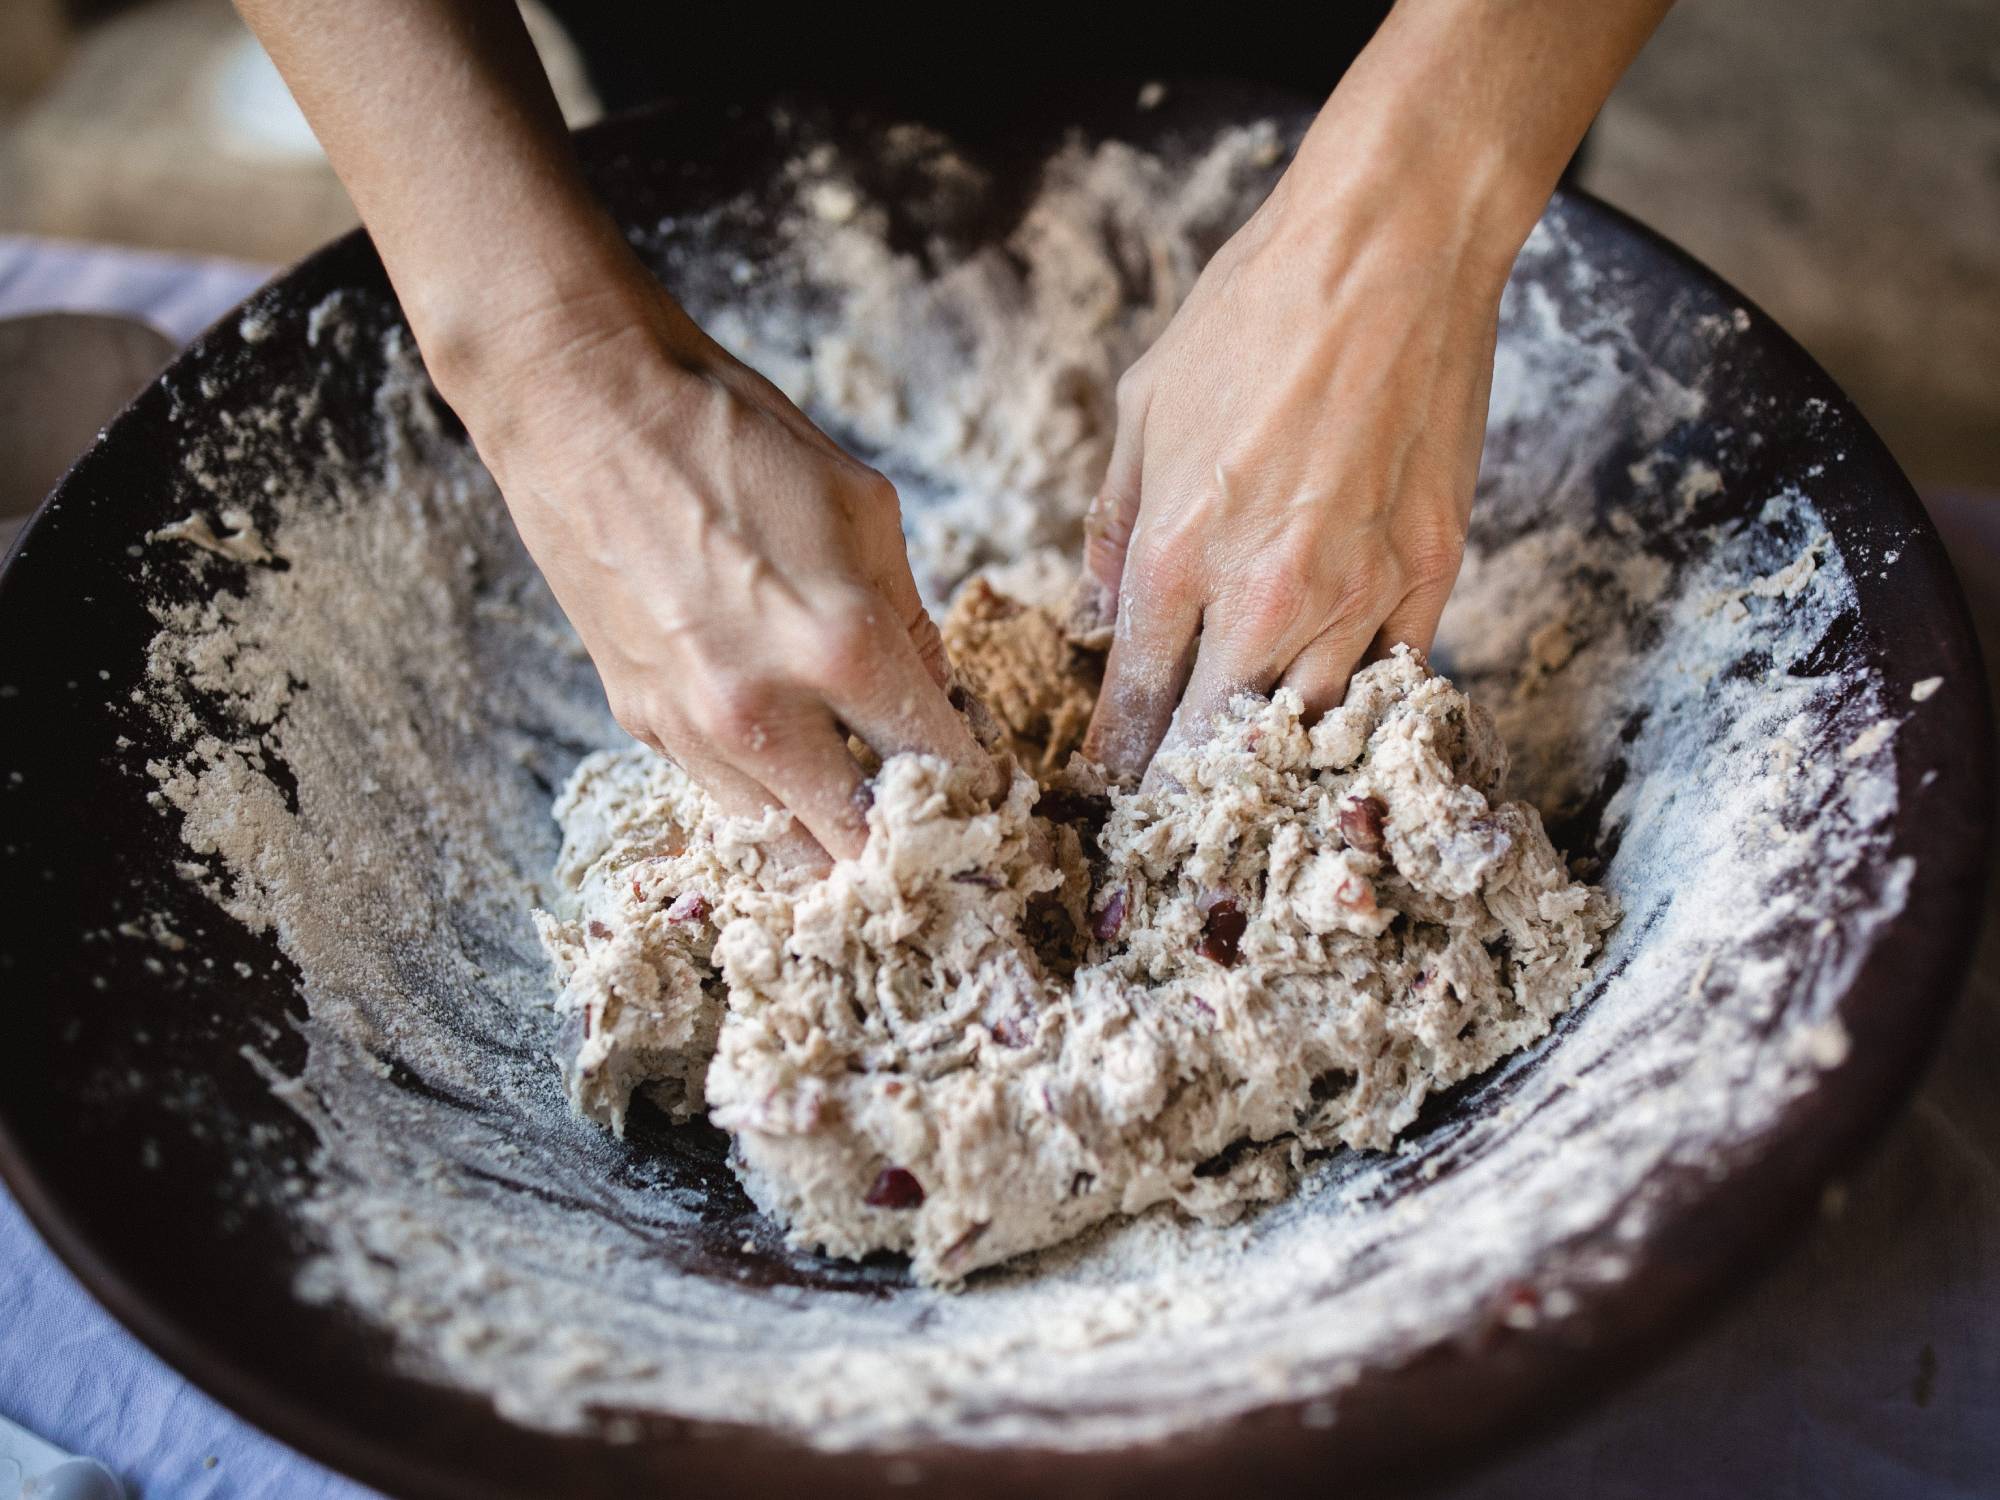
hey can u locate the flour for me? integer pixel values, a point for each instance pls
(986, 391)
(369, 738)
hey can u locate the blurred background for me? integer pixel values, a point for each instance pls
(1839, 160)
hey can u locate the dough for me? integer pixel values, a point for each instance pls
(1002, 1024)
(1017, 661)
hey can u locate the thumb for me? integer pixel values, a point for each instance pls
(898, 585)
(884, 565)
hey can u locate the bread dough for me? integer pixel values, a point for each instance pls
(1002, 1024)
(1018, 661)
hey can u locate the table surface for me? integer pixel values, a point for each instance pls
(1867, 1364)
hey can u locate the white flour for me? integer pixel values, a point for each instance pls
(370, 734)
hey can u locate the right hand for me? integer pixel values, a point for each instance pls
(740, 582)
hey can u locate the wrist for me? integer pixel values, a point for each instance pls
(1433, 219)
(600, 325)
(1459, 117)
(1463, 192)
(475, 337)
(562, 280)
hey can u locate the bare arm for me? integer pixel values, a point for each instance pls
(442, 127)
(740, 582)
(1295, 457)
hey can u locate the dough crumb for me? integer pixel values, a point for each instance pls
(238, 540)
(1871, 739)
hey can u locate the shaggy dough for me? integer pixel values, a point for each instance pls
(1002, 1024)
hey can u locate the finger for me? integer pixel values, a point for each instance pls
(1152, 653)
(808, 769)
(1413, 622)
(899, 587)
(1107, 528)
(929, 640)
(1320, 672)
(873, 678)
(879, 522)
(1224, 667)
(738, 794)
(1478, 405)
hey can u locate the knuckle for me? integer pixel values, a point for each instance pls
(929, 641)
(735, 713)
(1104, 565)
(846, 644)
(874, 492)
(1351, 605)
(1279, 598)
(1161, 572)
(1431, 555)
(634, 716)
(1358, 603)
(1110, 516)
(866, 499)
(1367, 580)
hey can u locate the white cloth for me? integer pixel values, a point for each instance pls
(73, 1375)
(178, 294)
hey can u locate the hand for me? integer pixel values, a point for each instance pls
(739, 580)
(1294, 461)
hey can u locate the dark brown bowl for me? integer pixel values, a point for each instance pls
(114, 1064)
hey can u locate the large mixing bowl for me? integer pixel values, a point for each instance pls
(318, 1158)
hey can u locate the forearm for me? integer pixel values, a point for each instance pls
(1467, 110)
(442, 127)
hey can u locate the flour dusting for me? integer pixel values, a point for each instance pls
(371, 723)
